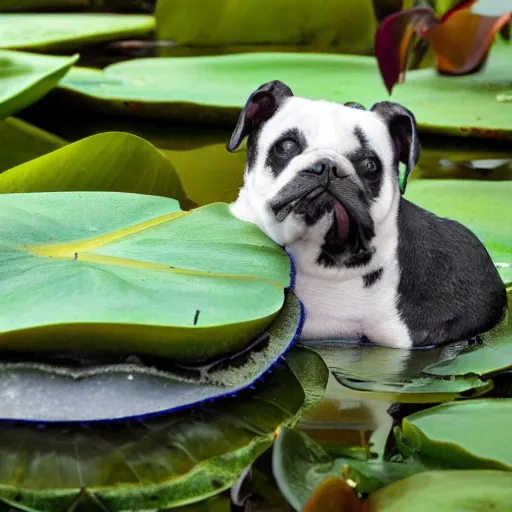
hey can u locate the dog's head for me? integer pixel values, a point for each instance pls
(322, 172)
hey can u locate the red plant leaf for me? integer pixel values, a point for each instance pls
(463, 40)
(335, 495)
(394, 38)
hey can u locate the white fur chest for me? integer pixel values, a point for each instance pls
(338, 302)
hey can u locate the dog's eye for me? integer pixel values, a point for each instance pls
(287, 147)
(370, 166)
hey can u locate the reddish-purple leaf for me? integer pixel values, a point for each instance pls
(394, 38)
(463, 40)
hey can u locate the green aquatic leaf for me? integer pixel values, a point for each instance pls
(25, 78)
(107, 162)
(344, 27)
(154, 88)
(397, 375)
(473, 434)
(133, 273)
(420, 390)
(453, 491)
(300, 465)
(134, 387)
(482, 206)
(62, 31)
(170, 461)
(22, 142)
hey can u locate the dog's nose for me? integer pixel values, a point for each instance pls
(325, 165)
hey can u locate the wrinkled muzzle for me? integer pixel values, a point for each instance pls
(323, 189)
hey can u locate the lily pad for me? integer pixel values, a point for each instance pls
(168, 462)
(88, 388)
(454, 491)
(218, 87)
(107, 162)
(22, 142)
(62, 31)
(384, 373)
(124, 273)
(344, 27)
(482, 206)
(474, 434)
(25, 78)
(300, 465)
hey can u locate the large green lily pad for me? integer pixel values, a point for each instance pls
(70, 388)
(453, 491)
(168, 462)
(472, 434)
(344, 27)
(22, 142)
(25, 78)
(50, 32)
(127, 273)
(482, 206)
(217, 88)
(107, 162)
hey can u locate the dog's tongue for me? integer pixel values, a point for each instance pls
(342, 222)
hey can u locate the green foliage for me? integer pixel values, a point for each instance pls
(22, 142)
(51, 32)
(165, 462)
(450, 491)
(25, 78)
(466, 435)
(108, 162)
(154, 88)
(344, 27)
(187, 263)
(300, 465)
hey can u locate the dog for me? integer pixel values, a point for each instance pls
(322, 180)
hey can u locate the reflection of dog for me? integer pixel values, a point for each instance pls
(322, 180)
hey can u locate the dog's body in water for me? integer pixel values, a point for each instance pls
(322, 180)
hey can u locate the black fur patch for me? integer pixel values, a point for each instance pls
(278, 163)
(371, 278)
(372, 183)
(449, 288)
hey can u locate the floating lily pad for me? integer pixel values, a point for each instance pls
(385, 373)
(345, 27)
(107, 162)
(474, 434)
(218, 87)
(69, 389)
(126, 273)
(420, 390)
(482, 206)
(22, 142)
(168, 462)
(454, 491)
(25, 78)
(62, 31)
(300, 465)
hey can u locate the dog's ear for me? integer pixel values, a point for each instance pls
(402, 127)
(261, 106)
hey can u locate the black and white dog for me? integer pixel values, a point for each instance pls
(322, 180)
